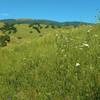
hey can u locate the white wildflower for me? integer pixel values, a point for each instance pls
(64, 45)
(62, 50)
(77, 64)
(61, 66)
(96, 35)
(66, 39)
(65, 55)
(24, 58)
(89, 30)
(85, 44)
(91, 68)
(56, 35)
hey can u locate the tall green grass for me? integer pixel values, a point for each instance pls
(63, 64)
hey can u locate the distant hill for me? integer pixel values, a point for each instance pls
(47, 22)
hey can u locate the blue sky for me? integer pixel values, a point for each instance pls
(59, 10)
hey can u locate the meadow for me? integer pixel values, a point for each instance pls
(57, 63)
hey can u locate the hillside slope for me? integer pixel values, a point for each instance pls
(55, 64)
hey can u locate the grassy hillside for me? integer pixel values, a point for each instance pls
(55, 64)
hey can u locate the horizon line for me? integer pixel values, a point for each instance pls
(47, 20)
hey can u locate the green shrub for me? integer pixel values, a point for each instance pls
(8, 28)
(36, 26)
(47, 26)
(3, 40)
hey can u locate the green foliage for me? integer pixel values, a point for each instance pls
(36, 26)
(8, 28)
(52, 26)
(3, 40)
(47, 26)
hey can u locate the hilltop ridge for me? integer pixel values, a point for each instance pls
(43, 21)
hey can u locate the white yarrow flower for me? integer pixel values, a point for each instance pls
(62, 50)
(85, 44)
(65, 55)
(96, 35)
(77, 64)
(56, 35)
(89, 30)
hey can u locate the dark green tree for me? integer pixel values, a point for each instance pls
(36, 26)
(8, 28)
